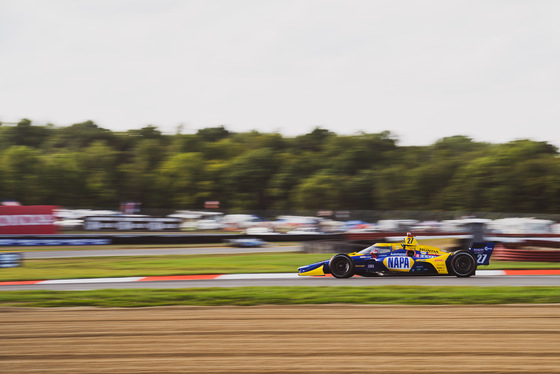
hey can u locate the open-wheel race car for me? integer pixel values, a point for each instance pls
(407, 257)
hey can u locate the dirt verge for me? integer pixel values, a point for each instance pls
(282, 339)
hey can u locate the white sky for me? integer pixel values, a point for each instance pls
(423, 70)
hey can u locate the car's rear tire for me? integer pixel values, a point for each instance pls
(341, 266)
(463, 264)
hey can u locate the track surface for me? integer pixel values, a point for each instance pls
(282, 339)
(238, 280)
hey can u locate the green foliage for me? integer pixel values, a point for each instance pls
(21, 174)
(213, 134)
(314, 141)
(180, 176)
(319, 191)
(84, 165)
(64, 178)
(24, 133)
(148, 132)
(248, 176)
(81, 135)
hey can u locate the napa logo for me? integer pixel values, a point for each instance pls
(400, 263)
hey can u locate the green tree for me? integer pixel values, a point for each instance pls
(24, 133)
(213, 134)
(64, 178)
(247, 179)
(291, 171)
(81, 135)
(137, 179)
(505, 179)
(147, 132)
(538, 190)
(457, 146)
(99, 161)
(313, 141)
(84, 165)
(223, 149)
(21, 167)
(319, 191)
(180, 178)
(358, 191)
(393, 188)
(185, 143)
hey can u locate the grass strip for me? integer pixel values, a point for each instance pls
(115, 247)
(247, 296)
(100, 267)
(103, 267)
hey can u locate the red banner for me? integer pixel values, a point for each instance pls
(32, 219)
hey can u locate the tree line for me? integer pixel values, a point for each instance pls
(87, 166)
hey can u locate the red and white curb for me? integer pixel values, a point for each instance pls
(256, 276)
(155, 278)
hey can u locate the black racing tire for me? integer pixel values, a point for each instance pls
(341, 266)
(463, 264)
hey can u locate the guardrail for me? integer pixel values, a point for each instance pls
(502, 252)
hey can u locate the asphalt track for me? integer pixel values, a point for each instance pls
(262, 280)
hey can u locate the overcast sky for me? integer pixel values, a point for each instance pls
(422, 69)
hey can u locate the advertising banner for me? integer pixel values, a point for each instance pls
(56, 242)
(32, 219)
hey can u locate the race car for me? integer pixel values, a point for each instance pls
(407, 257)
(246, 243)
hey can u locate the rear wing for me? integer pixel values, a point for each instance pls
(482, 252)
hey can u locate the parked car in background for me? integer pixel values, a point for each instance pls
(305, 231)
(259, 230)
(239, 221)
(246, 242)
(209, 224)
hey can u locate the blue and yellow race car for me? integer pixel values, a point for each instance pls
(407, 257)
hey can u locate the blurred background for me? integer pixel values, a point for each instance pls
(216, 179)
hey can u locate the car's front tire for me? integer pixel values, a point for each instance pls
(341, 266)
(463, 264)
